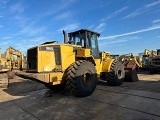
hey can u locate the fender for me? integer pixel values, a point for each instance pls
(89, 58)
(106, 65)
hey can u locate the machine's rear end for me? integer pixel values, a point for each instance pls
(43, 58)
(50, 58)
(47, 62)
(32, 59)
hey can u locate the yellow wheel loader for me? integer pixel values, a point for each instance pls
(76, 65)
(131, 65)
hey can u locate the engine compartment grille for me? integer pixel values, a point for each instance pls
(32, 59)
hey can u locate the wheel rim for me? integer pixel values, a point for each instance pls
(119, 73)
(87, 78)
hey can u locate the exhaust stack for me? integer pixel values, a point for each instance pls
(65, 37)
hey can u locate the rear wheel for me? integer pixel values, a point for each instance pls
(81, 78)
(116, 75)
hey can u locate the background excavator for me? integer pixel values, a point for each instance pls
(5, 63)
(10, 60)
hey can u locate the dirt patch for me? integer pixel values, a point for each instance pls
(147, 82)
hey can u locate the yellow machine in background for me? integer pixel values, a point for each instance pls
(146, 58)
(16, 62)
(76, 64)
(5, 63)
(112, 56)
(131, 56)
(154, 66)
(150, 53)
(11, 59)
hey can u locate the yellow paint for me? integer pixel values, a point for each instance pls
(8, 61)
(67, 56)
(46, 61)
(98, 65)
(106, 65)
(83, 52)
(55, 78)
(52, 78)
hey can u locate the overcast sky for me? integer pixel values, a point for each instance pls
(125, 25)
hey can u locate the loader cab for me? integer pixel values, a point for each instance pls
(87, 39)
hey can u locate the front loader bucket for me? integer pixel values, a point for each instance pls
(130, 71)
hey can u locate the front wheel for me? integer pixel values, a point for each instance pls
(116, 75)
(81, 78)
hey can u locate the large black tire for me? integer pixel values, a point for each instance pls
(116, 75)
(81, 78)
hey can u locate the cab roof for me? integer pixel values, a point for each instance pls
(83, 30)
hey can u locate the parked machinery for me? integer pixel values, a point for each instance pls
(8, 62)
(155, 63)
(17, 62)
(113, 56)
(75, 65)
(131, 64)
(146, 58)
(130, 56)
(11, 59)
(5, 61)
(4, 67)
